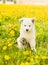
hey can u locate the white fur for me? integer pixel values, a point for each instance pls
(30, 35)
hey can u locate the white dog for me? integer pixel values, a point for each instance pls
(27, 31)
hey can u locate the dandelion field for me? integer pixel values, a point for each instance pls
(9, 32)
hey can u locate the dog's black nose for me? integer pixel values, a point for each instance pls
(26, 29)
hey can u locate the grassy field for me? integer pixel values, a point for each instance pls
(9, 31)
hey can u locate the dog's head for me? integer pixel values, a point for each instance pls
(27, 24)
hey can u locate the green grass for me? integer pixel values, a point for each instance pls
(17, 56)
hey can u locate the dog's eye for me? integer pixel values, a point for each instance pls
(25, 25)
(29, 25)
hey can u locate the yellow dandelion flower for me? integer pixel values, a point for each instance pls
(37, 56)
(15, 18)
(27, 63)
(26, 52)
(4, 47)
(6, 57)
(44, 57)
(12, 33)
(13, 27)
(42, 27)
(39, 33)
(10, 44)
(46, 22)
(22, 63)
(31, 60)
(0, 18)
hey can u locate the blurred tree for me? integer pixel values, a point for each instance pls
(3, 1)
(9, 0)
(14, 1)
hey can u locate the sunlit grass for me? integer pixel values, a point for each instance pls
(9, 31)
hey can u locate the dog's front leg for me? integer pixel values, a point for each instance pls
(20, 44)
(33, 44)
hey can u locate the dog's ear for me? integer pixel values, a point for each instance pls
(33, 20)
(21, 20)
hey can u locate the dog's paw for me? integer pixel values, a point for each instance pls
(33, 49)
